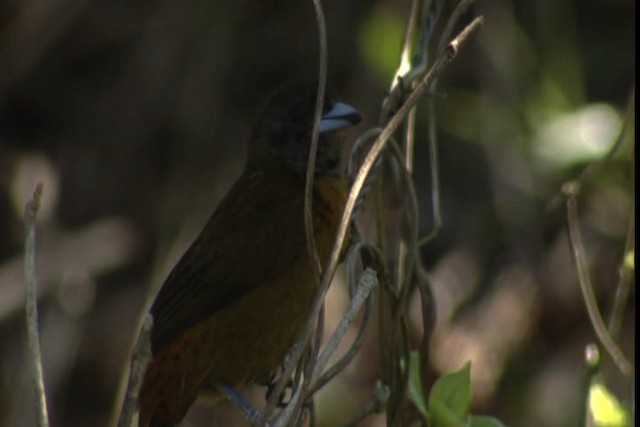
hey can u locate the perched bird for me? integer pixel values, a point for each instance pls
(237, 300)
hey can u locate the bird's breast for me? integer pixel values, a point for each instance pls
(266, 322)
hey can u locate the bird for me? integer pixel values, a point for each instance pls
(237, 300)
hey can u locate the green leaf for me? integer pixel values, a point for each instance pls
(441, 416)
(416, 394)
(605, 409)
(483, 421)
(450, 398)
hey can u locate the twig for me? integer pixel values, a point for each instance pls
(358, 147)
(595, 166)
(435, 178)
(592, 360)
(457, 13)
(460, 9)
(409, 260)
(427, 304)
(400, 348)
(411, 118)
(31, 306)
(313, 150)
(316, 380)
(327, 274)
(359, 248)
(381, 141)
(433, 142)
(413, 214)
(140, 359)
(236, 399)
(624, 280)
(367, 283)
(405, 56)
(431, 10)
(288, 412)
(571, 190)
(308, 211)
(336, 368)
(112, 242)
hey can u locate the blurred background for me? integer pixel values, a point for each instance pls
(136, 114)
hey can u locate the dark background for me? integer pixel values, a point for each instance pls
(136, 115)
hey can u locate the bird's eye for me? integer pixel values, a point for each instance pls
(327, 106)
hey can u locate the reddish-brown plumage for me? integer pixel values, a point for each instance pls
(237, 300)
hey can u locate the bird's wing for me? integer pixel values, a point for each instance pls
(256, 233)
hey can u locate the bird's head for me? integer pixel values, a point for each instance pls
(282, 135)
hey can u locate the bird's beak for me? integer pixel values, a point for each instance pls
(340, 116)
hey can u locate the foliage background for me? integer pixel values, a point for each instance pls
(135, 115)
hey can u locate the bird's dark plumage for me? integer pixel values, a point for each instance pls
(235, 302)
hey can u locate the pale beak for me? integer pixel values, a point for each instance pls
(340, 116)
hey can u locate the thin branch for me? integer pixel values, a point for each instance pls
(595, 166)
(319, 378)
(427, 304)
(247, 411)
(113, 240)
(413, 213)
(400, 375)
(308, 206)
(431, 10)
(624, 280)
(443, 60)
(367, 283)
(371, 259)
(405, 55)
(336, 368)
(571, 190)
(313, 150)
(357, 249)
(457, 13)
(593, 361)
(328, 272)
(140, 359)
(409, 136)
(368, 136)
(288, 412)
(435, 177)
(31, 306)
(313, 250)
